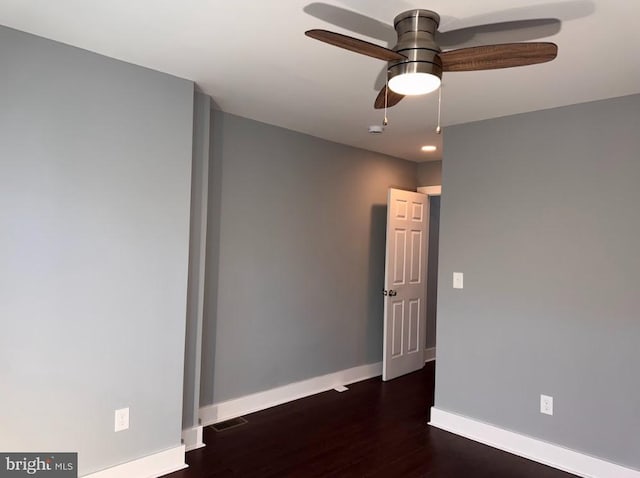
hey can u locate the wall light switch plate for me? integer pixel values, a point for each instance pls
(121, 419)
(546, 404)
(457, 280)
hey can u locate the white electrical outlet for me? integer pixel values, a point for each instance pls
(121, 419)
(546, 404)
(457, 280)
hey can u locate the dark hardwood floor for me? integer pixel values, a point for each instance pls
(374, 429)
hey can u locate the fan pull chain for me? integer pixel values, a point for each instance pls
(385, 121)
(438, 128)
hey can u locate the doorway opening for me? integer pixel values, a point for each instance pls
(434, 193)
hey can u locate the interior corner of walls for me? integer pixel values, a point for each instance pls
(549, 454)
(150, 466)
(219, 412)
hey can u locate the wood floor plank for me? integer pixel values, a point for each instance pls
(375, 429)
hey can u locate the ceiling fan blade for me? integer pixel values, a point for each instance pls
(393, 98)
(490, 57)
(353, 44)
(519, 30)
(353, 21)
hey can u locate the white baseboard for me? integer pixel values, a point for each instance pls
(150, 466)
(192, 438)
(429, 354)
(219, 412)
(530, 448)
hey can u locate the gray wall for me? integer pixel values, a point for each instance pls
(299, 252)
(430, 173)
(540, 211)
(95, 169)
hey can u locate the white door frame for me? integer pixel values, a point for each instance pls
(431, 190)
(429, 353)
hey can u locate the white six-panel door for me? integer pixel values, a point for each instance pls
(405, 297)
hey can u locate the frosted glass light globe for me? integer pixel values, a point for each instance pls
(410, 84)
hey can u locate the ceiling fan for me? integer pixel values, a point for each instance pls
(416, 62)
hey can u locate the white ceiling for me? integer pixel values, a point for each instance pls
(252, 57)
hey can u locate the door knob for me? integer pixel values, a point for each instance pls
(393, 293)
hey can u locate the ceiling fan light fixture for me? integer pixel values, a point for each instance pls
(421, 74)
(411, 84)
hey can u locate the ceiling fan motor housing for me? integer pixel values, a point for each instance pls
(416, 30)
